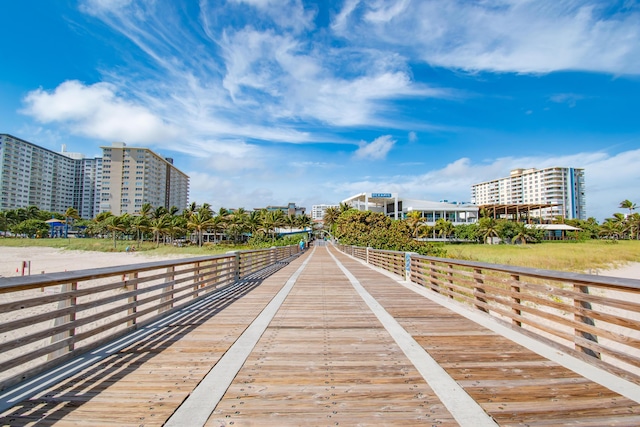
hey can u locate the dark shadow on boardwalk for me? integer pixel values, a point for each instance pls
(64, 399)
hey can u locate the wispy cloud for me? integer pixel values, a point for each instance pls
(566, 98)
(502, 35)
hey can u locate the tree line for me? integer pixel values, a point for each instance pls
(159, 224)
(372, 229)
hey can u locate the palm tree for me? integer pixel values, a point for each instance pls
(610, 229)
(32, 212)
(177, 227)
(218, 224)
(159, 226)
(343, 207)
(190, 209)
(444, 228)
(146, 210)
(5, 219)
(253, 222)
(271, 220)
(304, 221)
(140, 224)
(522, 233)
(621, 224)
(237, 223)
(290, 221)
(331, 215)
(199, 222)
(488, 228)
(628, 204)
(414, 221)
(159, 212)
(70, 214)
(634, 225)
(116, 224)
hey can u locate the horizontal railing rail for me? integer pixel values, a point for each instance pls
(47, 319)
(595, 318)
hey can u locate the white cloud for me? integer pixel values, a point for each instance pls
(376, 149)
(503, 35)
(413, 137)
(97, 111)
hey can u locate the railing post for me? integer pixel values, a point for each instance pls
(236, 264)
(367, 256)
(434, 278)
(580, 304)
(516, 300)
(450, 280)
(479, 290)
(170, 278)
(69, 302)
(132, 287)
(196, 279)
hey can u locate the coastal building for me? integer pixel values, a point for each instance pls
(120, 181)
(543, 193)
(133, 176)
(31, 175)
(397, 208)
(317, 211)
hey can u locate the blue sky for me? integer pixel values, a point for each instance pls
(274, 101)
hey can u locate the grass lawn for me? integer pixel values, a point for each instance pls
(564, 256)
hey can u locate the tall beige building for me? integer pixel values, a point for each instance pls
(561, 188)
(132, 177)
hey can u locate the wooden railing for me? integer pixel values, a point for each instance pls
(46, 319)
(595, 318)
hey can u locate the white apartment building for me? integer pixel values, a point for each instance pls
(557, 191)
(132, 177)
(317, 211)
(398, 208)
(34, 176)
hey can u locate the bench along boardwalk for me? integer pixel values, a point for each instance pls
(322, 338)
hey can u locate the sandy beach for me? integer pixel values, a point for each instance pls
(52, 260)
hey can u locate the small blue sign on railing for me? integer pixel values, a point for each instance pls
(381, 195)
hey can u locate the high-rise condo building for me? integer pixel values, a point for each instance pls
(132, 177)
(556, 191)
(31, 175)
(34, 176)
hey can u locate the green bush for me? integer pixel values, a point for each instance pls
(375, 230)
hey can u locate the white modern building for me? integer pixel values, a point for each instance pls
(397, 208)
(318, 211)
(549, 192)
(134, 176)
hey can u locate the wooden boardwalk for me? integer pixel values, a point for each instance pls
(325, 357)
